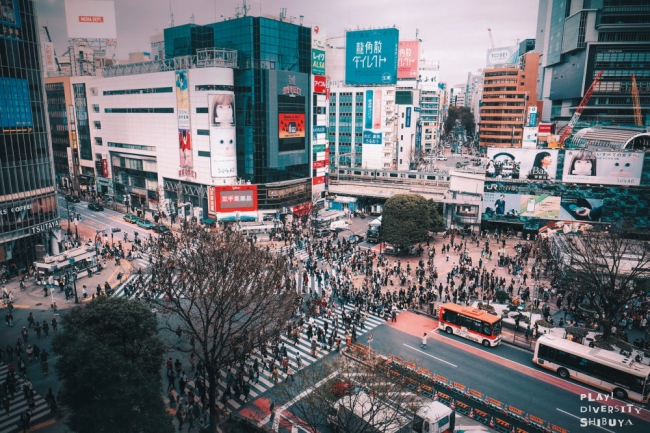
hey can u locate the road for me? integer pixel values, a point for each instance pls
(505, 373)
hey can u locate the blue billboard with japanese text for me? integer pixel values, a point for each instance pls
(371, 57)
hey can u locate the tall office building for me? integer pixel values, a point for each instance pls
(28, 207)
(579, 38)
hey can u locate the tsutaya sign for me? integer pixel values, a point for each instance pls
(44, 227)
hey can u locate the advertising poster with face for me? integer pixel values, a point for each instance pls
(223, 159)
(609, 168)
(530, 164)
(185, 147)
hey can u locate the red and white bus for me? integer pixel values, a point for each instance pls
(471, 323)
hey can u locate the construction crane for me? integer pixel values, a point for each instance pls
(576, 115)
(636, 102)
(491, 39)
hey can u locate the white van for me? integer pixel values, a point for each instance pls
(339, 226)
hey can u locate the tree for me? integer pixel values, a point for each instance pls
(462, 114)
(408, 218)
(225, 295)
(110, 360)
(605, 271)
(387, 404)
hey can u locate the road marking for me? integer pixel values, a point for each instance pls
(431, 356)
(42, 425)
(21, 306)
(577, 417)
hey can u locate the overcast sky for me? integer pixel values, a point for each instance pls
(453, 31)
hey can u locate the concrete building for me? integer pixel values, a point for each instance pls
(508, 92)
(430, 104)
(577, 40)
(28, 206)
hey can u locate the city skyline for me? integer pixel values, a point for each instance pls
(454, 34)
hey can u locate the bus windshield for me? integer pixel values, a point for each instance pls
(497, 328)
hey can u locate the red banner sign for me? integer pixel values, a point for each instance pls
(320, 84)
(104, 167)
(319, 164)
(318, 180)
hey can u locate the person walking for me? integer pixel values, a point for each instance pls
(26, 418)
(38, 329)
(46, 328)
(424, 341)
(44, 365)
(51, 400)
(54, 323)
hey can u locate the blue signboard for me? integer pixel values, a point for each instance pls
(369, 109)
(371, 57)
(418, 136)
(370, 137)
(15, 109)
(320, 129)
(408, 117)
(318, 62)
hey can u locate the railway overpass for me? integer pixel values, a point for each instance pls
(385, 190)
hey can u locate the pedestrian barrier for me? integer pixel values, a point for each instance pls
(536, 422)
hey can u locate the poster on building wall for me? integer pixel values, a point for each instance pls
(502, 56)
(408, 59)
(318, 62)
(223, 158)
(291, 125)
(609, 168)
(320, 84)
(496, 204)
(372, 119)
(371, 56)
(185, 146)
(532, 117)
(515, 163)
(182, 100)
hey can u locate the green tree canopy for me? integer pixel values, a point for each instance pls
(110, 361)
(464, 115)
(408, 218)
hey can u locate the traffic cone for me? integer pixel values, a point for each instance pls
(452, 405)
(471, 413)
(505, 409)
(435, 396)
(466, 392)
(513, 430)
(526, 420)
(485, 401)
(548, 428)
(492, 422)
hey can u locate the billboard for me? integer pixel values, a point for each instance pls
(9, 20)
(541, 206)
(521, 164)
(532, 116)
(15, 107)
(320, 84)
(318, 62)
(318, 40)
(545, 128)
(236, 198)
(529, 140)
(291, 125)
(182, 99)
(48, 56)
(502, 56)
(223, 158)
(90, 19)
(408, 59)
(371, 56)
(372, 120)
(610, 168)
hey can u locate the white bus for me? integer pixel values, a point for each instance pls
(625, 377)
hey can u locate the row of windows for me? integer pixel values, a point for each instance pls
(504, 119)
(500, 89)
(139, 110)
(131, 146)
(202, 132)
(623, 56)
(204, 153)
(468, 322)
(210, 87)
(138, 91)
(624, 37)
(202, 110)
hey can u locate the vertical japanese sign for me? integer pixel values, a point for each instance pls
(183, 116)
(371, 57)
(318, 62)
(408, 59)
(532, 116)
(408, 117)
(223, 159)
(372, 117)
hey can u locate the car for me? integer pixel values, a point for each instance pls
(95, 206)
(322, 233)
(461, 164)
(72, 199)
(130, 218)
(145, 224)
(441, 158)
(161, 229)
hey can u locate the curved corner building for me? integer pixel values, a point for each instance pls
(28, 208)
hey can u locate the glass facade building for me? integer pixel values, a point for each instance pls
(28, 207)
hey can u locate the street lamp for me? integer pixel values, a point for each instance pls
(72, 276)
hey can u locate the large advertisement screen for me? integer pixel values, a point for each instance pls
(291, 126)
(496, 204)
(502, 56)
(531, 164)
(223, 158)
(90, 19)
(9, 20)
(371, 57)
(408, 59)
(236, 198)
(372, 121)
(610, 168)
(15, 107)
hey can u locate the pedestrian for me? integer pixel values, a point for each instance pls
(54, 323)
(30, 352)
(170, 366)
(527, 332)
(290, 374)
(26, 417)
(179, 367)
(181, 385)
(180, 416)
(275, 374)
(424, 341)
(10, 353)
(51, 400)
(246, 389)
(46, 328)
(38, 329)
(25, 334)
(44, 365)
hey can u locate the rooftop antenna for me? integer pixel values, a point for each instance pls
(283, 14)
(171, 14)
(242, 11)
(192, 18)
(302, 17)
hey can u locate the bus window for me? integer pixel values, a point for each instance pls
(487, 329)
(426, 426)
(449, 316)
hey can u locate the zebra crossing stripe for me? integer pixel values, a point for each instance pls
(9, 422)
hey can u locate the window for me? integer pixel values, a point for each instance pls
(138, 110)
(202, 132)
(208, 87)
(448, 316)
(132, 146)
(138, 91)
(202, 110)
(204, 153)
(95, 108)
(98, 124)
(99, 141)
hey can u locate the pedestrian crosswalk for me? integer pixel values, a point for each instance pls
(10, 422)
(300, 355)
